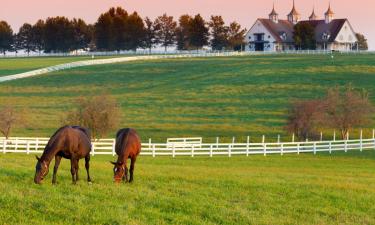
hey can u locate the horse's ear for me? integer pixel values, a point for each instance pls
(37, 158)
(114, 163)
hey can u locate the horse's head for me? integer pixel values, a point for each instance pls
(118, 171)
(41, 170)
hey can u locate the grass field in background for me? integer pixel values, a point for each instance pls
(208, 97)
(289, 189)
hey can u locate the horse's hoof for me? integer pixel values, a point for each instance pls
(90, 183)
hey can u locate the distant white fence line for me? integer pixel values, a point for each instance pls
(193, 148)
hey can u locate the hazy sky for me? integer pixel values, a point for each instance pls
(359, 12)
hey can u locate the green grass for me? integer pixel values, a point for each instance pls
(289, 189)
(209, 97)
(9, 66)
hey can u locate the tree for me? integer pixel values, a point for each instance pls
(167, 32)
(82, 34)
(100, 114)
(236, 36)
(304, 36)
(198, 32)
(150, 39)
(135, 32)
(6, 37)
(9, 118)
(182, 32)
(304, 117)
(38, 35)
(219, 33)
(59, 35)
(347, 109)
(25, 38)
(119, 29)
(103, 31)
(361, 44)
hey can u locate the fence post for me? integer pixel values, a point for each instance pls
(361, 140)
(217, 143)
(298, 147)
(93, 148)
(330, 147)
(293, 138)
(264, 149)
(27, 147)
(16, 147)
(149, 143)
(314, 148)
(278, 138)
(153, 150)
(282, 149)
(334, 135)
(321, 136)
(173, 150)
(247, 145)
(4, 146)
(192, 150)
(263, 139)
(210, 150)
(346, 145)
(373, 133)
(113, 147)
(230, 150)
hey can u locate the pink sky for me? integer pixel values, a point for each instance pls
(359, 12)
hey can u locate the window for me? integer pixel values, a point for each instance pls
(269, 36)
(341, 37)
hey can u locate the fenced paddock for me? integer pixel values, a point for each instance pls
(195, 147)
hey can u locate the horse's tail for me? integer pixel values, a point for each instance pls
(120, 144)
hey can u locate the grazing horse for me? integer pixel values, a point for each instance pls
(70, 142)
(128, 145)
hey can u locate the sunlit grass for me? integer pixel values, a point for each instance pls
(289, 189)
(209, 97)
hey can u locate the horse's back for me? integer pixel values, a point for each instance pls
(128, 140)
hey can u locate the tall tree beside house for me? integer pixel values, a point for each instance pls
(38, 35)
(198, 32)
(150, 40)
(82, 34)
(361, 43)
(167, 32)
(6, 37)
(304, 36)
(182, 32)
(236, 36)
(219, 33)
(25, 38)
(59, 35)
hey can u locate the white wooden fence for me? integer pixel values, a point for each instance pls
(107, 147)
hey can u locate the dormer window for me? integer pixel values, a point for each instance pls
(283, 36)
(326, 36)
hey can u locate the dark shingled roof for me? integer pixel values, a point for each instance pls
(277, 29)
(333, 28)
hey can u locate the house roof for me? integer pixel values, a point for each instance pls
(279, 28)
(332, 29)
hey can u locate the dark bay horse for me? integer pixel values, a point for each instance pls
(128, 145)
(70, 142)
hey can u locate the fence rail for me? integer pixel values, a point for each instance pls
(107, 147)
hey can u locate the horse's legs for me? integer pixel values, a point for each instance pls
(132, 164)
(77, 166)
(87, 165)
(125, 177)
(57, 163)
(73, 169)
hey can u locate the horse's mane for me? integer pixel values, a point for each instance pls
(120, 137)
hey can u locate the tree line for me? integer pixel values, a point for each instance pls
(117, 30)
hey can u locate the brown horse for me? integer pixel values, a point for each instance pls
(70, 142)
(128, 145)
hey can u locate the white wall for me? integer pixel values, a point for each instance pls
(257, 28)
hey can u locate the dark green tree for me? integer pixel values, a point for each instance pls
(166, 35)
(24, 39)
(219, 33)
(38, 35)
(82, 34)
(59, 35)
(182, 32)
(135, 32)
(304, 36)
(150, 40)
(103, 31)
(361, 42)
(198, 32)
(6, 37)
(236, 36)
(119, 29)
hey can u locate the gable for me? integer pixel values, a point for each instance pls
(346, 34)
(259, 28)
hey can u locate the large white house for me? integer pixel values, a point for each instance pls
(274, 34)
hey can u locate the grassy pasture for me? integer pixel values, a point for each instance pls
(209, 97)
(289, 189)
